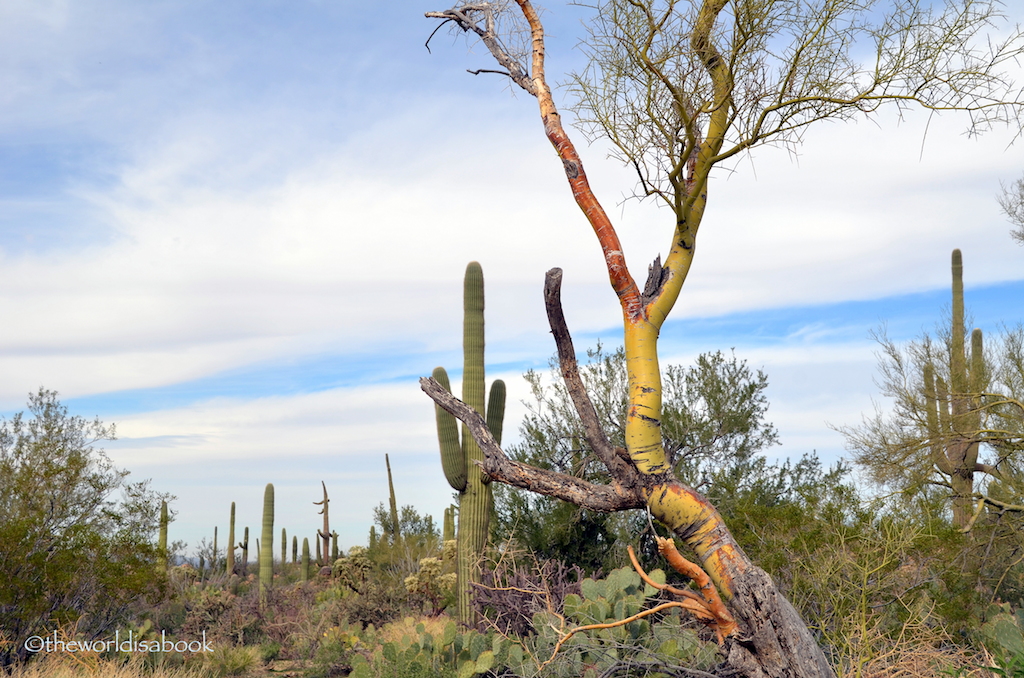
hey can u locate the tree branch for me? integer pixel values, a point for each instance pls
(586, 495)
(623, 472)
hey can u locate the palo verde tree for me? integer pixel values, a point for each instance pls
(678, 87)
(1011, 201)
(78, 540)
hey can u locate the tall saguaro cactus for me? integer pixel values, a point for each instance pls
(229, 555)
(393, 531)
(162, 544)
(267, 544)
(953, 414)
(244, 545)
(324, 534)
(458, 453)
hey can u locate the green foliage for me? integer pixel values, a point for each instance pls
(78, 542)
(232, 660)
(713, 424)
(420, 539)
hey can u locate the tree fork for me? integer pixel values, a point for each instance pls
(772, 641)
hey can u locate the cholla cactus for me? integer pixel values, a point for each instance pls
(429, 582)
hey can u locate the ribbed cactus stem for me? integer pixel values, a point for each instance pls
(496, 409)
(229, 554)
(244, 545)
(453, 462)
(334, 546)
(295, 550)
(460, 452)
(267, 544)
(284, 547)
(325, 533)
(449, 524)
(162, 544)
(957, 363)
(305, 559)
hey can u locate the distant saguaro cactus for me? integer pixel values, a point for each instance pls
(954, 409)
(229, 554)
(458, 455)
(244, 545)
(267, 544)
(162, 544)
(393, 531)
(324, 534)
(305, 559)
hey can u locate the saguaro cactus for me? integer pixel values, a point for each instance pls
(229, 554)
(324, 534)
(162, 544)
(458, 453)
(953, 414)
(267, 544)
(244, 545)
(305, 558)
(393, 531)
(284, 547)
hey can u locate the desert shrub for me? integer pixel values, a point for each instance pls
(76, 538)
(232, 660)
(514, 586)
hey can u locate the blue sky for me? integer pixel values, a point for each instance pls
(238, 231)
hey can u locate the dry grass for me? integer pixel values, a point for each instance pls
(91, 666)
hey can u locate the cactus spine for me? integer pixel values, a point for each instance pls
(324, 534)
(953, 409)
(394, 529)
(229, 553)
(458, 456)
(305, 558)
(162, 544)
(267, 544)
